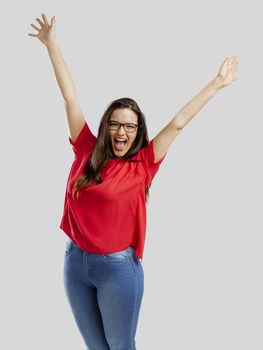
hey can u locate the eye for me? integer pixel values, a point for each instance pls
(130, 126)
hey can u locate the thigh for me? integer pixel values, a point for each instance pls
(119, 298)
(82, 298)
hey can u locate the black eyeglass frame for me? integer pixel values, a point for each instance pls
(122, 124)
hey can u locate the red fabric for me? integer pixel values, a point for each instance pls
(110, 216)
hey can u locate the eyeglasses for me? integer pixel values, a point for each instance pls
(128, 127)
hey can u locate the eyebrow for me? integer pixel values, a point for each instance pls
(112, 120)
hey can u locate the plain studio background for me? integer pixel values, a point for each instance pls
(203, 251)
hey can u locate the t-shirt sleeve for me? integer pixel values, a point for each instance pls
(84, 142)
(147, 154)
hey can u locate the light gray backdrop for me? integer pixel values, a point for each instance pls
(203, 251)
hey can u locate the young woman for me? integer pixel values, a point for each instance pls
(105, 203)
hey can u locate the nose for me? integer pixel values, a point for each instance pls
(121, 130)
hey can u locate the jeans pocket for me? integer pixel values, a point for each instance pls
(68, 247)
(137, 262)
(141, 266)
(117, 256)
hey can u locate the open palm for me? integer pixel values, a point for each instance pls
(225, 75)
(46, 34)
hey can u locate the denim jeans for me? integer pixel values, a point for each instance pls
(104, 292)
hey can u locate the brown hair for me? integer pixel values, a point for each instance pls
(103, 151)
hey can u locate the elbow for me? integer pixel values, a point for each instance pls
(177, 124)
(178, 127)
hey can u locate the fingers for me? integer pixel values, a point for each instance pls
(45, 19)
(38, 29)
(53, 20)
(233, 59)
(227, 62)
(231, 63)
(234, 63)
(40, 22)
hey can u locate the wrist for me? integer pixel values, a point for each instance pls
(52, 45)
(217, 83)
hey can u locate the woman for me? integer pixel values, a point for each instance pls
(105, 203)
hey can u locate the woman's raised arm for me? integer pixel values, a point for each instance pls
(165, 137)
(46, 34)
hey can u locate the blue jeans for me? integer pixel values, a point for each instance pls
(104, 293)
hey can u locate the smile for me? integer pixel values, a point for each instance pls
(118, 144)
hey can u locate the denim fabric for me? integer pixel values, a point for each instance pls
(104, 293)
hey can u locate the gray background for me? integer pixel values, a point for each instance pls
(203, 251)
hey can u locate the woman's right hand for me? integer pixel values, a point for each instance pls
(46, 34)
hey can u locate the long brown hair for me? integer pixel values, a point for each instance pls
(103, 151)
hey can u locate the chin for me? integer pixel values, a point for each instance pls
(119, 155)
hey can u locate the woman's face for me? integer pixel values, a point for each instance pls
(127, 116)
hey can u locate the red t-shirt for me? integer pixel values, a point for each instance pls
(110, 216)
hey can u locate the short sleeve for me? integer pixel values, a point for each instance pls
(147, 154)
(84, 142)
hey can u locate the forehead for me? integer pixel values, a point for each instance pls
(124, 115)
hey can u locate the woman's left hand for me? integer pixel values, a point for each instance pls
(225, 75)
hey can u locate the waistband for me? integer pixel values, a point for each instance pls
(130, 250)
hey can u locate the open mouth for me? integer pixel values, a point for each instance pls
(119, 145)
